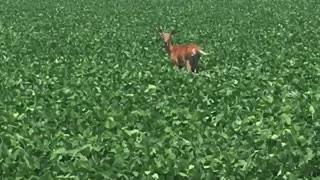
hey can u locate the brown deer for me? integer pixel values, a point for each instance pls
(187, 55)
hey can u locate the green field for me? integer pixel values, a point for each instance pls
(87, 90)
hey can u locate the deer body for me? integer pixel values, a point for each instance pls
(180, 55)
(187, 55)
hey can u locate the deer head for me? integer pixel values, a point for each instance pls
(166, 36)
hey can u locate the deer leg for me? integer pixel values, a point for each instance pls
(180, 62)
(188, 66)
(175, 64)
(195, 62)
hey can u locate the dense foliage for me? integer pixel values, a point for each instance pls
(87, 91)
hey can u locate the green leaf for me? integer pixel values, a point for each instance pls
(61, 150)
(87, 90)
(191, 167)
(183, 174)
(21, 116)
(292, 177)
(132, 132)
(135, 173)
(274, 136)
(171, 155)
(311, 109)
(286, 118)
(155, 176)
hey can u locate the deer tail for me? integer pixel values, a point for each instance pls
(204, 53)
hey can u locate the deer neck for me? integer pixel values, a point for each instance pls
(169, 47)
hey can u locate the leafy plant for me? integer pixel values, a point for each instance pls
(87, 91)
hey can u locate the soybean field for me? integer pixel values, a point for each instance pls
(87, 90)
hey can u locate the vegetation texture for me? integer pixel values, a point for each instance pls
(87, 91)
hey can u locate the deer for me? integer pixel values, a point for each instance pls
(182, 55)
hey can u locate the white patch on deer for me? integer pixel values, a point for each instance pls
(193, 52)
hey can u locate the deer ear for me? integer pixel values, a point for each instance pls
(173, 31)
